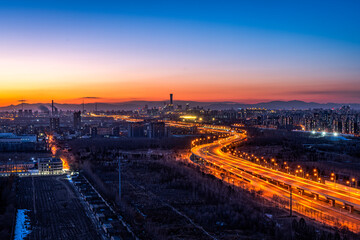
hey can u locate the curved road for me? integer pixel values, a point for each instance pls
(261, 177)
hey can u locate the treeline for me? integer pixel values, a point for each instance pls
(130, 143)
(302, 231)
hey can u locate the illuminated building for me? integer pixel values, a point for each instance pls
(50, 165)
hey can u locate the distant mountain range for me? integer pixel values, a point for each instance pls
(132, 105)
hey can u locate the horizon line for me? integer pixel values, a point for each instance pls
(167, 100)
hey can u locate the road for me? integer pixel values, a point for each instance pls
(342, 207)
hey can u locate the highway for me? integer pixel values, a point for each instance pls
(342, 207)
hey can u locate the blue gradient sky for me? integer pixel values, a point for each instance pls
(245, 51)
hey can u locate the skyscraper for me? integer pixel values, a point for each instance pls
(77, 120)
(156, 130)
(54, 124)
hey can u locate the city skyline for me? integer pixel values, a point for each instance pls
(204, 51)
(179, 119)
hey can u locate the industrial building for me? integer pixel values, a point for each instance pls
(12, 142)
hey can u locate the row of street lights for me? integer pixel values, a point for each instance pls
(297, 172)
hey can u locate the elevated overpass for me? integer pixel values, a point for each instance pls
(324, 197)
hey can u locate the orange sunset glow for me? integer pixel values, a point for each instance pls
(66, 57)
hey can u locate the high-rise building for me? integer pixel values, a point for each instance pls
(77, 120)
(171, 99)
(156, 130)
(54, 124)
(116, 131)
(52, 107)
(94, 132)
(136, 130)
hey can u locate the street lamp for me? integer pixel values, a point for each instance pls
(355, 182)
(302, 173)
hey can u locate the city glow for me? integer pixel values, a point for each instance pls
(188, 117)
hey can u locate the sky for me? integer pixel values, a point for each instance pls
(242, 51)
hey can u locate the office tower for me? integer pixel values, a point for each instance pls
(77, 120)
(136, 130)
(54, 124)
(156, 130)
(116, 131)
(52, 107)
(94, 132)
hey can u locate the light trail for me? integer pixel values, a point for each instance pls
(116, 117)
(312, 195)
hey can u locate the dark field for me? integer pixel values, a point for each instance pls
(163, 199)
(55, 210)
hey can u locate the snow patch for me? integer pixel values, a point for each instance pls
(22, 227)
(68, 177)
